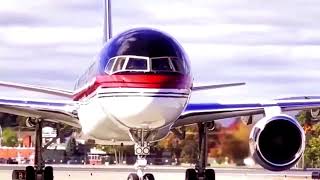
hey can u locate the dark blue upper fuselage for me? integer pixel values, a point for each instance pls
(138, 42)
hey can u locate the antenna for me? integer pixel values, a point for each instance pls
(107, 24)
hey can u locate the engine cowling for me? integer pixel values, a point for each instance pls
(30, 122)
(315, 113)
(277, 143)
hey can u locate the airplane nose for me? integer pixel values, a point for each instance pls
(144, 110)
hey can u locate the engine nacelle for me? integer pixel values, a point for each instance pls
(315, 113)
(277, 143)
(30, 122)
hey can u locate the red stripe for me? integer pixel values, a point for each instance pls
(137, 81)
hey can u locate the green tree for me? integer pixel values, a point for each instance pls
(312, 153)
(312, 131)
(9, 137)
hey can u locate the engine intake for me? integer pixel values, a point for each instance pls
(277, 142)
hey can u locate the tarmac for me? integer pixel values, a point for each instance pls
(115, 172)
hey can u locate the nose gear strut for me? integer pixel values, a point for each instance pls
(142, 150)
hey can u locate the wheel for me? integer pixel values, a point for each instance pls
(133, 176)
(48, 173)
(148, 176)
(210, 174)
(30, 173)
(191, 174)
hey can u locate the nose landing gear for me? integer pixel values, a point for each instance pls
(142, 150)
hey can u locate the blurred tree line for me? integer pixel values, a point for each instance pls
(224, 144)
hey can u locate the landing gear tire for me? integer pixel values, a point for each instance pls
(191, 174)
(133, 176)
(30, 173)
(210, 174)
(148, 176)
(39, 171)
(48, 173)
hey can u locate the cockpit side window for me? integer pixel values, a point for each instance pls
(137, 64)
(178, 66)
(161, 64)
(109, 66)
(119, 64)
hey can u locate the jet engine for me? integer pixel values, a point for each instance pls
(315, 113)
(277, 142)
(30, 122)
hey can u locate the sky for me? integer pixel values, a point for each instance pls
(272, 45)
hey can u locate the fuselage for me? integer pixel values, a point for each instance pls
(141, 79)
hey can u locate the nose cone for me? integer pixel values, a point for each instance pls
(149, 109)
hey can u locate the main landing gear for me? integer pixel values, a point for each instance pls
(200, 172)
(141, 149)
(38, 171)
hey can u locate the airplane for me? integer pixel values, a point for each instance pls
(138, 89)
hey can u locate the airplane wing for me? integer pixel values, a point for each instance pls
(197, 112)
(52, 91)
(216, 86)
(55, 111)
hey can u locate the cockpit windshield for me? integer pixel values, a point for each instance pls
(145, 64)
(161, 64)
(137, 64)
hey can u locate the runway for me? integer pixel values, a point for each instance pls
(75, 172)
